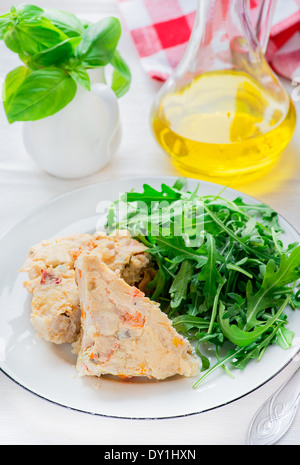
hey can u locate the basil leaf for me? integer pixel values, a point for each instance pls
(5, 22)
(13, 81)
(68, 23)
(81, 76)
(14, 17)
(33, 36)
(12, 40)
(121, 75)
(28, 12)
(58, 54)
(85, 23)
(41, 94)
(99, 42)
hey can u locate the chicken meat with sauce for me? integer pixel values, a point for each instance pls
(124, 333)
(55, 308)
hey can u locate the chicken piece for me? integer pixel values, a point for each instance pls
(61, 251)
(50, 266)
(121, 252)
(45, 255)
(55, 309)
(124, 333)
(75, 244)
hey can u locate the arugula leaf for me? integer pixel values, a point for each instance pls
(209, 273)
(149, 195)
(185, 323)
(179, 287)
(250, 249)
(180, 184)
(243, 338)
(231, 288)
(177, 251)
(287, 273)
(232, 354)
(284, 337)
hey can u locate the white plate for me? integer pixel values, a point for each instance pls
(48, 370)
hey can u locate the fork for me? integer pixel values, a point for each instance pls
(276, 415)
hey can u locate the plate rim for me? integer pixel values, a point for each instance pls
(167, 417)
(144, 179)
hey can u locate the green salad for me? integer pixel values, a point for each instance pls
(223, 273)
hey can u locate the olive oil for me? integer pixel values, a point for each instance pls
(224, 125)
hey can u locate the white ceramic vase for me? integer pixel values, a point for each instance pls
(80, 139)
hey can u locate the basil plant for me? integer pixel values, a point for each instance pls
(57, 50)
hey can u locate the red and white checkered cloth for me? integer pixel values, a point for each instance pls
(161, 29)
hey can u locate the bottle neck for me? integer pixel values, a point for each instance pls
(220, 20)
(234, 17)
(222, 30)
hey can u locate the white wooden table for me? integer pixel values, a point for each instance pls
(24, 417)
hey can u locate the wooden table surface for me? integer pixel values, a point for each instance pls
(27, 419)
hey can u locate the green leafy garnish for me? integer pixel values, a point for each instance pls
(180, 284)
(223, 275)
(42, 90)
(57, 49)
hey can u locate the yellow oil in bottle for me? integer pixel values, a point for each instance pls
(224, 126)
